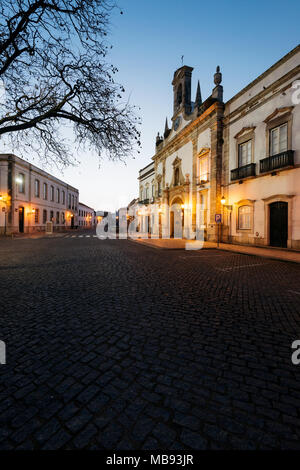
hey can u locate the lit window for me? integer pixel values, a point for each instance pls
(278, 139)
(203, 169)
(245, 153)
(36, 216)
(244, 217)
(45, 191)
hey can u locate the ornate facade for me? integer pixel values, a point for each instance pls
(224, 158)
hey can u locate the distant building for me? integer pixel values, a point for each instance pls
(31, 199)
(86, 216)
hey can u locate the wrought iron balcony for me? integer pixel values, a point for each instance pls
(275, 162)
(243, 172)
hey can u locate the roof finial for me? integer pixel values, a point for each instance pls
(198, 101)
(217, 76)
(167, 130)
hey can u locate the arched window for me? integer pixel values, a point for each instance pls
(179, 94)
(176, 177)
(244, 215)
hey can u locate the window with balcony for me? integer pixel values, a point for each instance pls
(245, 153)
(37, 188)
(278, 139)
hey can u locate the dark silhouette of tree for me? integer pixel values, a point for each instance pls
(54, 70)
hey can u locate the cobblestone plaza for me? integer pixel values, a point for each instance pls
(115, 345)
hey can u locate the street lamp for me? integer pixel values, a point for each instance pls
(223, 200)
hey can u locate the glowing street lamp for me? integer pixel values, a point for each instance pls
(223, 200)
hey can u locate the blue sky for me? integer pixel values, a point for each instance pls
(244, 38)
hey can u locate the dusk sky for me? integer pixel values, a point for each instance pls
(244, 38)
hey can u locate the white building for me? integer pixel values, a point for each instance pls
(239, 160)
(30, 198)
(261, 158)
(86, 216)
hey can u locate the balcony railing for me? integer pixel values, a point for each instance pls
(243, 172)
(275, 162)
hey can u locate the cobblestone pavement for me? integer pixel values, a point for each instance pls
(114, 345)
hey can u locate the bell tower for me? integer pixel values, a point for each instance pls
(182, 90)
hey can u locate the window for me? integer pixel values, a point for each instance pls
(37, 188)
(69, 201)
(278, 139)
(36, 216)
(72, 201)
(21, 183)
(244, 221)
(147, 193)
(179, 94)
(51, 216)
(63, 218)
(176, 177)
(52, 193)
(57, 217)
(245, 153)
(159, 188)
(203, 169)
(63, 197)
(45, 191)
(153, 190)
(76, 203)
(44, 216)
(57, 195)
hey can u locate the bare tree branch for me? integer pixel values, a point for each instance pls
(53, 64)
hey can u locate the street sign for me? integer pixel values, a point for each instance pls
(218, 218)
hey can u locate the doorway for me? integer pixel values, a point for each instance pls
(21, 219)
(279, 224)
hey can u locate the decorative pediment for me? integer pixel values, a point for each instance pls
(245, 130)
(203, 151)
(279, 112)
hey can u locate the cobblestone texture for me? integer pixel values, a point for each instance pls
(113, 345)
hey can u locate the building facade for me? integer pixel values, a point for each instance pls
(33, 200)
(261, 159)
(239, 160)
(86, 216)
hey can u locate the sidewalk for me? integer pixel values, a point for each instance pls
(265, 252)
